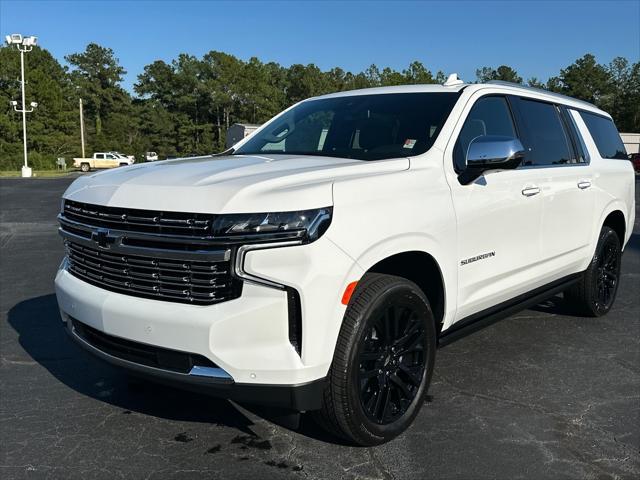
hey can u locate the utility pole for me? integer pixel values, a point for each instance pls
(82, 129)
(24, 45)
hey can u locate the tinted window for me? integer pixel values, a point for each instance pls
(605, 135)
(365, 127)
(489, 116)
(546, 142)
(582, 152)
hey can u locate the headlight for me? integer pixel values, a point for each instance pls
(306, 225)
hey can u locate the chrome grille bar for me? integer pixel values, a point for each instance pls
(176, 223)
(197, 284)
(158, 246)
(170, 267)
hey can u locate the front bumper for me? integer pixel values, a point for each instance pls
(300, 397)
(247, 337)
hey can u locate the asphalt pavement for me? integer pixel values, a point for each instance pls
(540, 395)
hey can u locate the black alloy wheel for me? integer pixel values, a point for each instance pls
(595, 291)
(392, 363)
(608, 270)
(383, 361)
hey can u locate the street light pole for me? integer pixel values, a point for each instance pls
(26, 171)
(24, 45)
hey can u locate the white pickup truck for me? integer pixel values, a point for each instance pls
(102, 160)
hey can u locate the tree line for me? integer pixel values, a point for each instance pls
(184, 107)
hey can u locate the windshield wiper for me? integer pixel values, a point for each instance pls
(228, 151)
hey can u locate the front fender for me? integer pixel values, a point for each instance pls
(413, 242)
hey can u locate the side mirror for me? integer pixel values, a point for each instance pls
(491, 152)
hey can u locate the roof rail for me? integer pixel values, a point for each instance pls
(539, 90)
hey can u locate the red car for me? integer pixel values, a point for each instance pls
(635, 161)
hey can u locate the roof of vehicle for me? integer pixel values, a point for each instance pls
(507, 87)
(426, 88)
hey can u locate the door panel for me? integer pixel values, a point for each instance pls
(565, 178)
(100, 161)
(567, 212)
(498, 238)
(110, 161)
(498, 216)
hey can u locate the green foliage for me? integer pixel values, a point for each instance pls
(534, 82)
(503, 73)
(615, 88)
(585, 79)
(185, 107)
(97, 75)
(109, 116)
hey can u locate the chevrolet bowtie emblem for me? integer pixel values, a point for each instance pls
(102, 238)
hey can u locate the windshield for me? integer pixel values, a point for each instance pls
(364, 127)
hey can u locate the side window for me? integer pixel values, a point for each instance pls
(582, 152)
(605, 135)
(488, 116)
(99, 156)
(546, 142)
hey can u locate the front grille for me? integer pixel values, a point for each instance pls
(166, 256)
(143, 354)
(185, 281)
(134, 220)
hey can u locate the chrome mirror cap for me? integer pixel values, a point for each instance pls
(489, 150)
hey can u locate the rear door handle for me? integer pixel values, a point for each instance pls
(582, 184)
(530, 191)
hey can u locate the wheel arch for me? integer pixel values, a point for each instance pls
(616, 221)
(424, 270)
(615, 215)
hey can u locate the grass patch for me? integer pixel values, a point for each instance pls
(37, 173)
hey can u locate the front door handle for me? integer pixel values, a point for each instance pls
(530, 191)
(582, 184)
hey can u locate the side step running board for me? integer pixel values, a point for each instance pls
(491, 315)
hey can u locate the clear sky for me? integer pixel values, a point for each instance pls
(536, 38)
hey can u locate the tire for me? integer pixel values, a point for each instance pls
(123, 164)
(594, 294)
(379, 377)
(85, 167)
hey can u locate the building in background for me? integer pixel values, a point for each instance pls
(631, 142)
(238, 131)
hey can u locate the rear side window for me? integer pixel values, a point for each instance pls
(489, 116)
(605, 135)
(582, 152)
(546, 140)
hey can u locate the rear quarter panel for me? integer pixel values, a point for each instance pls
(614, 188)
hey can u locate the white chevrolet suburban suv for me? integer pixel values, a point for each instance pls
(320, 263)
